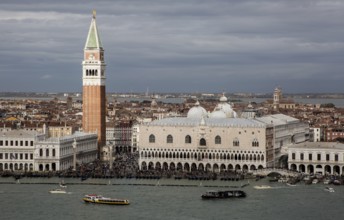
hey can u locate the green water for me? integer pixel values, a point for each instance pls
(155, 200)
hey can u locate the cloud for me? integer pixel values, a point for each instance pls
(195, 45)
(46, 77)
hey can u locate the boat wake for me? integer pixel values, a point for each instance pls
(268, 187)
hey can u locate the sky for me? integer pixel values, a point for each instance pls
(175, 46)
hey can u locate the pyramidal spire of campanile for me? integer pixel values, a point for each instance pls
(93, 39)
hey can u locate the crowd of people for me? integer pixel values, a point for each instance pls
(125, 165)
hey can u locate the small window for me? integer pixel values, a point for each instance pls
(217, 139)
(169, 139)
(202, 142)
(293, 156)
(310, 157)
(151, 138)
(301, 156)
(236, 142)
(187, 139)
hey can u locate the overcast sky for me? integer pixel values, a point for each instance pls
(175, 45)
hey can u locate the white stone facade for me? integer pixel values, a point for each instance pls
(286, 132)
(17, 149)
(316, 134)
(317, 157)
(202, 144)
(214, 144)
(55, 154)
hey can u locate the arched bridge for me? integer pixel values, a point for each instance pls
(271, 171)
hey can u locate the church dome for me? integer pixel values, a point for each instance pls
(154, 103)
(197, 111)
(225, 107)
(218, 114)
(223, 98)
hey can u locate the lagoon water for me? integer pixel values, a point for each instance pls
(153, 199)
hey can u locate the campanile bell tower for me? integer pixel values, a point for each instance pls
(93, 81)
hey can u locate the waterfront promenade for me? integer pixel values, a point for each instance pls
(125, 171)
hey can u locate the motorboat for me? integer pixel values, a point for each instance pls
(329, 189)
(291, 184)
(262, 187)
(58, 191)
(336, 182)
(98, 199)
(327, 181)
(223, 194)
(315, 181)
(283, 180)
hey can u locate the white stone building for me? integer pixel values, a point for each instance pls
(17, 149)
(317, 157)
(55, 154)
(215, 141)
(135, 136)
(23, 150)
(315, 134)
(286, 132)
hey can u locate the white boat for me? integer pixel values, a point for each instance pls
(58, 191)
(283, 180)
(329, 189)
(98, 199)
(62, 185)
(315, 181)
(262, 187)
(326, 181)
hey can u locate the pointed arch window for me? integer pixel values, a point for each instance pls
(202, 142)
(217, 139)
(169, 139)
(255, 143)
(236, 142)
(151, 138)
(187, 139)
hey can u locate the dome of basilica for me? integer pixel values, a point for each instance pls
(197, 111)
(218, 114)
(225, 107)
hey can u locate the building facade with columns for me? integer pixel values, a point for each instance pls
(56, 154)
(317, 157)
(213, 141)
(22, 150)
(17, 149)
(93, 80)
